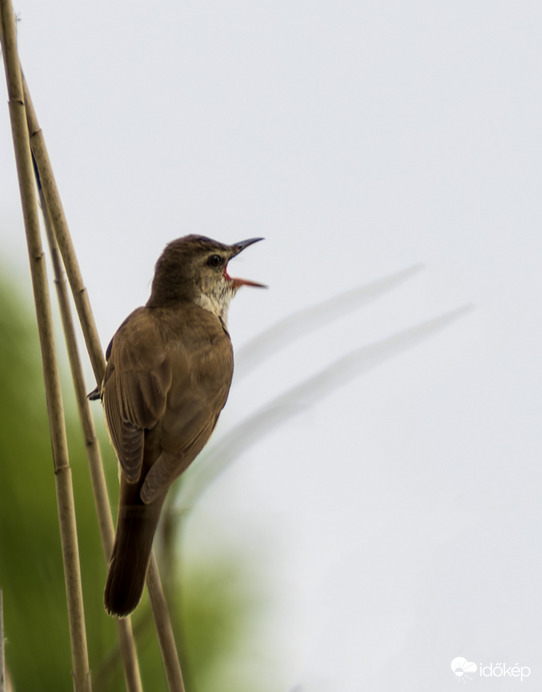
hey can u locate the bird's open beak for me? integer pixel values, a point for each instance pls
(236, 249)
(239, 247)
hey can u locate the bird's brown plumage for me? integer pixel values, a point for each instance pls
(169, 370)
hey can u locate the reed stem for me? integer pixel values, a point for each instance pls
(63, 480)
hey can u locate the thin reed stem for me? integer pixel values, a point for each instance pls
(103, 510)
(63, 237)
(88, 326)
(63, 481)
(163, 628)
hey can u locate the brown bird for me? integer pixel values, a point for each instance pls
(168, 375)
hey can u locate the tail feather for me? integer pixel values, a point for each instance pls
(136, 527)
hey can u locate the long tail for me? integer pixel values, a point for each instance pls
(136, 526)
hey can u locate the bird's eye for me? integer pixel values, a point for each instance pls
(214, 261)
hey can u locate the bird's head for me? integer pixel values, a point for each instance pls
(195, 269)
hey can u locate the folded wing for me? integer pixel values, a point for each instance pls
(136, 384)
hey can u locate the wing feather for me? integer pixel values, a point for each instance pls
(137, 380)
(170, 465)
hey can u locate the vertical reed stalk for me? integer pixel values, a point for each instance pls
(124, 627)
(64, 489)
(163, 628)
(19, 95)
(60, 226)
(63, 238)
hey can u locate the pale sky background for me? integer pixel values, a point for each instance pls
(397, 521)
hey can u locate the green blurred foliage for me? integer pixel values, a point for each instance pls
(212, 604)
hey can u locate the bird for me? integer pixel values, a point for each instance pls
(168, 373)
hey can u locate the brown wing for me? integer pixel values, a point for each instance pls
(202, 367)
(170, 465)
(136, 384)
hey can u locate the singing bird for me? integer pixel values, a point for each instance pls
(168, 375)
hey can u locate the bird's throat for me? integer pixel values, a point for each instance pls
(217, 302)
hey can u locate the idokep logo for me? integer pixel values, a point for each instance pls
(462, 667)
(466, 670)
